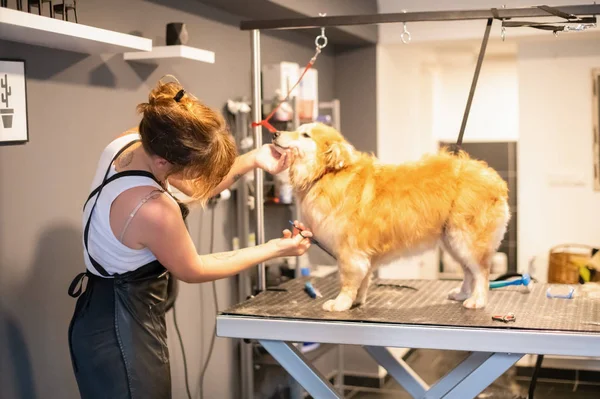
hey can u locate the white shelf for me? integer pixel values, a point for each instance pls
(164, 52)
(23, 27)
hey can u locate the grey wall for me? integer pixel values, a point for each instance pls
(355, 87)
(77, 104)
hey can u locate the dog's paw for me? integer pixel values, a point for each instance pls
(340, 304)
(475, 302)
(458, 294)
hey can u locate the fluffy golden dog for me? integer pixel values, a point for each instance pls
(368, 213)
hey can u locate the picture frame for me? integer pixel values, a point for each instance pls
(596, 126)
(14, 121)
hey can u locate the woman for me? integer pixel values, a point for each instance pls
(135, 239)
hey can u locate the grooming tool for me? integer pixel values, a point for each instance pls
(507, 318)
(314, 241)
(525, 281)
(311, 291)
(552, 294)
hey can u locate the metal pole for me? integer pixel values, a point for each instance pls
(463, 125)
(335, 114)
(244, 281)
(258, 173)
(339, 383)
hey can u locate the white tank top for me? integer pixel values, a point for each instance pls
(103, 246)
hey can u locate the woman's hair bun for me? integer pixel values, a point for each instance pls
(163, 95)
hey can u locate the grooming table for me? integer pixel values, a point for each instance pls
(423, 318)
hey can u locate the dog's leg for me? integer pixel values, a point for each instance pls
(464, 291)
(361, 297)
(473, 239)
(474, 288)
(478, 299)
(353, 271)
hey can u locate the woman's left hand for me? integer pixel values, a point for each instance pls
(272, 161)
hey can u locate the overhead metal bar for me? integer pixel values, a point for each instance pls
(426, 16)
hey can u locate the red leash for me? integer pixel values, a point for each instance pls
(319, 47)
(265, 122)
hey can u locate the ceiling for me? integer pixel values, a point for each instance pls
(460, 30)
(341, 37)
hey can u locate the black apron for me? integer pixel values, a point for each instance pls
(118, 334)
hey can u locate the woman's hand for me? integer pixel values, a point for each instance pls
(270, 160)
(293, 243)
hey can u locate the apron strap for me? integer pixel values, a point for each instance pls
(76, 285)
(97, 191)
(99, 188)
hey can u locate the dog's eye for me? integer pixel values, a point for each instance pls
(306, 135)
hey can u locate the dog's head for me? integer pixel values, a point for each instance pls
(324, 151)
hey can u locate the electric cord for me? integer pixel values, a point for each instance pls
(215, 300)
(534, 376)
(185, 367)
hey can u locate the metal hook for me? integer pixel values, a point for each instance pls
(321, 40)
(405, 36)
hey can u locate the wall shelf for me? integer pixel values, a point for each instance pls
(23, 27)
(163, 52)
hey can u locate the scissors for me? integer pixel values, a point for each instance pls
(506, 318)
(314, 241)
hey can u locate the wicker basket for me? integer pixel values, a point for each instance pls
(564, 262)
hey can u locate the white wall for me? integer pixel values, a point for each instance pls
(422, 92)
(494, 114)
(403, 102)
(555, 97)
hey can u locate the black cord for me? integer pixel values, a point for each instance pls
(185, 367)
(215, 299)
(534, 376)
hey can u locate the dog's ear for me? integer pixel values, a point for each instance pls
(339, 155)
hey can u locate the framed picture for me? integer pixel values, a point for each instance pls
(596, 127)
(13, 102)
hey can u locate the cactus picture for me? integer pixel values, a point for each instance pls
(13, 102)
(6, 89)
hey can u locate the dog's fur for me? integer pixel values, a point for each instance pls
(369, 213)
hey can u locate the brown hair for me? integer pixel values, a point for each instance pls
(194, 138)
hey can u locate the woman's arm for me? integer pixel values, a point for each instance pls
(266, 158)
(159, 227)
(242, 165)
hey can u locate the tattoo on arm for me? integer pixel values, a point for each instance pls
(237, 177)
(125, 159)
(225, 255)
